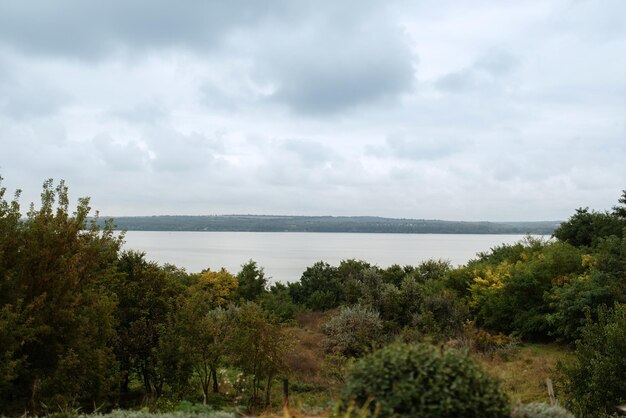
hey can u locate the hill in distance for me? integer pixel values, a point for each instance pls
(356, 224)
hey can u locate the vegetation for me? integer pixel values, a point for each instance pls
(259, 223)
(85, 326)
(540, 410)
(417, 380)
(594, 382)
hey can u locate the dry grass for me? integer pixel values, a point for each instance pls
(524, 375)
(306, 357)
(314, 320)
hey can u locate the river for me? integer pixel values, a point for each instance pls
(285, 255)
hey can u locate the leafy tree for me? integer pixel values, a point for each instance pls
(257, 347)
(204, 336)
(585, 227)
(56, 312)
(431, 270)
(278, 302)
(319, 287)
(372, 289)
(620, 210)
(251, 281)
(594, 382)
(394, 274)
(147, 297)
(510, 298)
(441, 312)
(576, 301)
(213, 289)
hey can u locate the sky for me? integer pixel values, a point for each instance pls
(477, 110)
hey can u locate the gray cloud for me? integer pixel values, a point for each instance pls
(415, 146)
(89, 30)
(483, 76)
(25, 99)
(513, 111)
(328, 69)
(121, 156)
(311, 153)
(147, 113)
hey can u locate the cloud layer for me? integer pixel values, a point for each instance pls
(494, 111)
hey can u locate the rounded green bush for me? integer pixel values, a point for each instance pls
(540, 410)
(419, 380)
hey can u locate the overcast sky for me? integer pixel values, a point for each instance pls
(481, 110)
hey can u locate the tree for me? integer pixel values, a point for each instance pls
(202, 325)
(147, 296)
(594, 381)
(585, 227)
(56, 311)
(252, 281)
(620, 210)
(319, 287)
(257, 347)
(203, 335)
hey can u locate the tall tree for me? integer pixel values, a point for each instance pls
(252, 281)
(56, 310)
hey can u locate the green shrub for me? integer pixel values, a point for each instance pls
(540, 410)
(353, 332)
(419, 380)
(594, 381)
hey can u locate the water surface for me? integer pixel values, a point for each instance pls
(285, 255)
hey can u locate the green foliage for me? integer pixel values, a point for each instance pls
(203, 337)
(430, 270)
(257, 347)
(576, 301)
(441, 312)
(509, 296)
(620, 210)
(147, 296)
(422, 381)
(540, 410)
(584, 228)
(56, 314)
(594, 381)
(278, 303)
(319, 287)
(251, 281)
(353, 332)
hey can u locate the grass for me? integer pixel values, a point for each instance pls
(524, 374)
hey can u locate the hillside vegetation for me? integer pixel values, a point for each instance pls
(88, 328)
(369, 224)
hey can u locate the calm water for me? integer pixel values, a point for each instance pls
(285, 255)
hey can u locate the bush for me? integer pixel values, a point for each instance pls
(540, 410)
(594, 382)
(353, 332)
(418, 380)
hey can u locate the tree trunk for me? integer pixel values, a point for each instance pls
(268, 389)
(205, 392)
(216, 388)
(146, 382)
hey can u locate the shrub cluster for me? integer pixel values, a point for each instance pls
(418, 380)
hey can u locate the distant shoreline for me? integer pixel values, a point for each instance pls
(329, 224)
